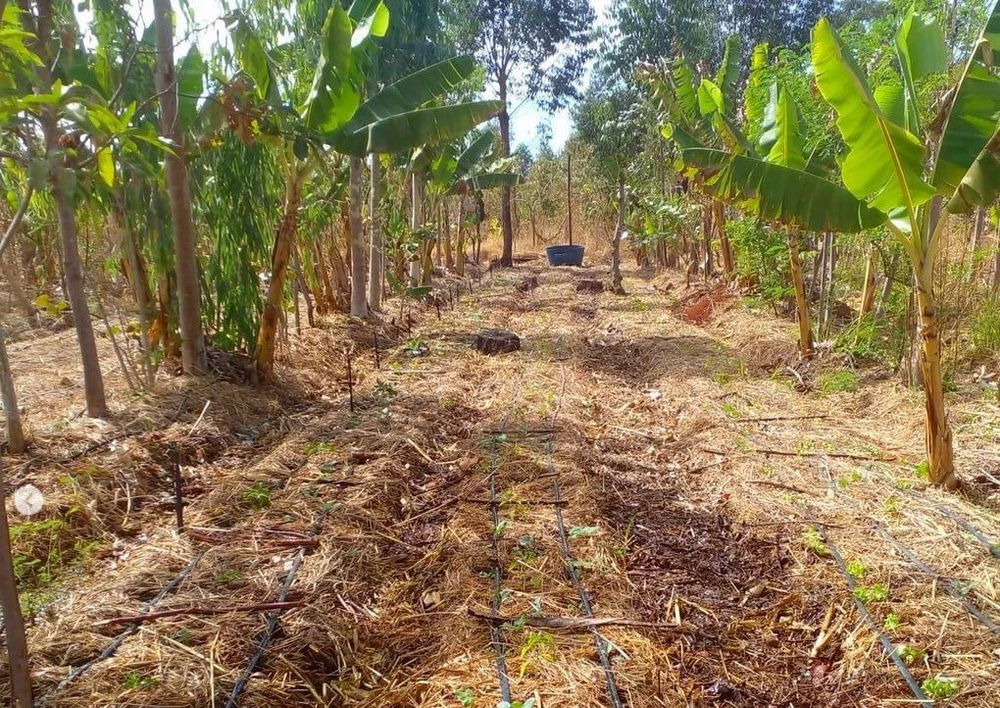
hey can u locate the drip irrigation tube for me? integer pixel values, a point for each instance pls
(113, 646)
(600, 644)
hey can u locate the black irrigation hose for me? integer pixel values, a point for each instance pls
(600, 644)
(968, 527)
(115, 643)
(950, 585)
(496, 636)
(274, 618)
(886, 642)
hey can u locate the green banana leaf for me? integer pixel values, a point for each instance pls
(758, 65)
(412, 92)
(781, 141)
(781, 194)
(486, 180)
(921, 51)
(884, 163)
(981, 183)
(423, 126)
(971, 119)
(728, 76)
(473, 155)
(327, 106)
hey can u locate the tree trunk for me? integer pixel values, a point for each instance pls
(448, 245)
(13, 277)
(569, 196)
(13, 620)
(359, 284)
(725, 246)
(268, 330)
(507, 257)
(940, 456)
(193, 353)
(868, 292)
(376, 270)
(801, 303)
(303, 287)
(460, 242)
(16, 442)
(416, 221)
(706, 232)
(616, 246)
(140, 287)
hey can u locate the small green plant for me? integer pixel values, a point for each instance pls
(856, 569)
(258, 496)
(923, 471)
(879, 592)
(985, 328)
(910, 654)
(637, 304)
(891, 507)
(466, 697)
(722, 378)
(384, 393)
(526, 550)
(892, 622)
(227, 576)
(837, 382)
(320, 447)
(539, 647)
(501, 528)
(847, 480)
(813, 540)
(939, 687)
(133, 679)
(731, 411)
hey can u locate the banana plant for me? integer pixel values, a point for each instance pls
(334, 119)
(918, 176)
(700, 113)
(459, 171)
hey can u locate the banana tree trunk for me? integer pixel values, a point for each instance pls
(725, 246)
(940, 455)
(376, 270)
(868, 292)
(268, 331)
(616, 245)
(449, 253)
(416, 221)
(193, 353)
(359, 284)
(706, 233)
(460, 242)
(801, 303)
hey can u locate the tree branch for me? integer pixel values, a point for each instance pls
(15, 223)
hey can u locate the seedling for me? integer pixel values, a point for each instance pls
(910, 654)
(465, 697)
(939, 687)
(879, 592)
(583, 531)
(258, 496)
(857, 570)
(892, 622)
(814, 542)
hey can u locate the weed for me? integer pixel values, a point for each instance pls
(985, 328)
(637, 304)
(258, 496)
(539, 647)
(320, 447)
(879, 592)
(501, 528)
(722, 378)
(465, 697)
(352, 422)
(939, 687)
(384, 393)
(891, 507)
(526, 549)
(837, 382)
(923, 471)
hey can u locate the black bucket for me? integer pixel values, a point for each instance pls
(565, 255)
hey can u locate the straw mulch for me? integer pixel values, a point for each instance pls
(682, 520)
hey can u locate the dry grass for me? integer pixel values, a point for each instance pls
(675, 516)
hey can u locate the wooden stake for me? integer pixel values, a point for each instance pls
(378, 364)
(178, 492)
(17, 645)
(350, 380)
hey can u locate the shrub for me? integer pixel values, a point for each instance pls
(985, 328)
(837, 382)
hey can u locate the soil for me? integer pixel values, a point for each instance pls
(663, 453)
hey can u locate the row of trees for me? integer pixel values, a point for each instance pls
(798, 140)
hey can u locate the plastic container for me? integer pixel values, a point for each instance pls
(565, 255)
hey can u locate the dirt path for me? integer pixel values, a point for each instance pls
(614, 464)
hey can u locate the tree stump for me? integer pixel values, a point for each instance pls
(527, 285)
(589, 286)
(497, 341)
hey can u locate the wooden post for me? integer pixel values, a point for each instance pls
(350, 381)
(569, 194)
(16, 443)
(178, 491)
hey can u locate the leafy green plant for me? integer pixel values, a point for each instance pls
(583, 531)
(879, 592)
(856, 569)
(258, 496)
(939, 687)
(133, 679)
(813, 540)
(892, 622)
(910, 654)
(466, 697)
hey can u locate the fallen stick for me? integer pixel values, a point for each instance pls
(150, 616)
(573, 624)
(795, 453)
(782, 485)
